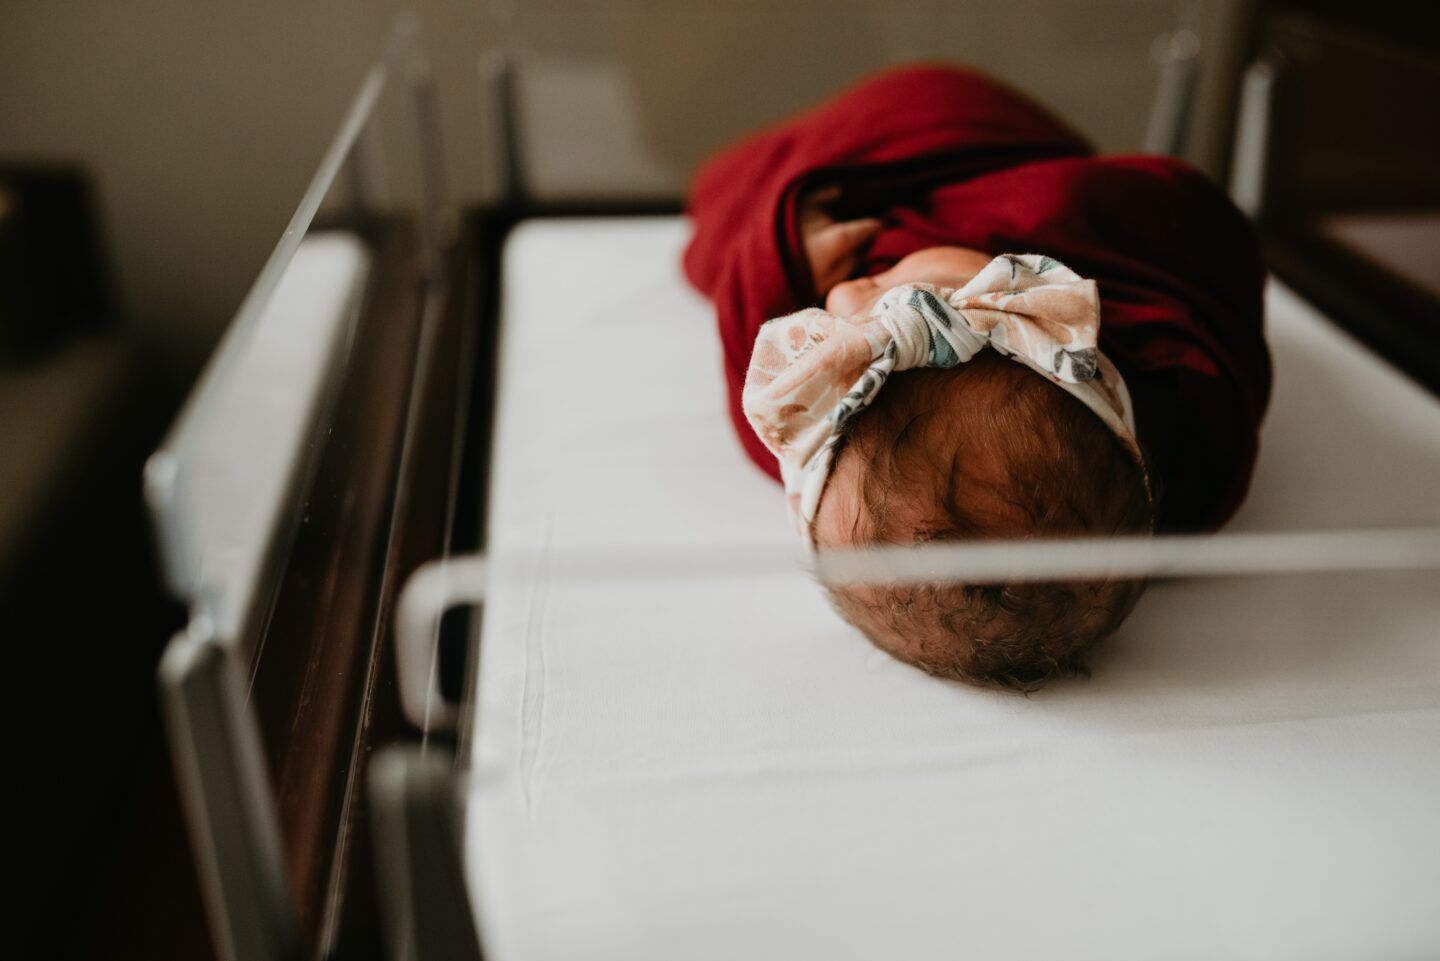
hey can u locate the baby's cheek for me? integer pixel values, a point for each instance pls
(850, 298)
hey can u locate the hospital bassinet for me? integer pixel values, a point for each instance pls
(653, 738)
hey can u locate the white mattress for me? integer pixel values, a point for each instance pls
(722, 768)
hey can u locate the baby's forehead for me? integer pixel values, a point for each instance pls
(960, 261)
(840, 510)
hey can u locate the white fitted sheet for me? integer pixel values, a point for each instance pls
(720, 767)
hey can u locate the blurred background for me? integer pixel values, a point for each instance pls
(198, 127)
(152, 152)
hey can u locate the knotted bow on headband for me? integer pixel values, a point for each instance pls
(811, 371)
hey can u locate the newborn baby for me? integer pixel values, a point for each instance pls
(966, 443)
(1017, 340)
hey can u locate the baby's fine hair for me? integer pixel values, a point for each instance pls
(1013, 457)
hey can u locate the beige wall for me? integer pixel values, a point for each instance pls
(202, 121)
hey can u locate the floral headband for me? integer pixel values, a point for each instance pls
(812, 372)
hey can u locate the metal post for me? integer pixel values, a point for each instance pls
(1254, 123)
(500, 112)
(435, 219)
(215, 743)
(415, 822)
(1178, 55)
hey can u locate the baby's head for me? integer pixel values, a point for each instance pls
(999, 418)
(989, 449)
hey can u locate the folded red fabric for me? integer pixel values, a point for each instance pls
(947, 156)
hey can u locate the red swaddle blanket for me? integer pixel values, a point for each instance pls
(947, 157)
